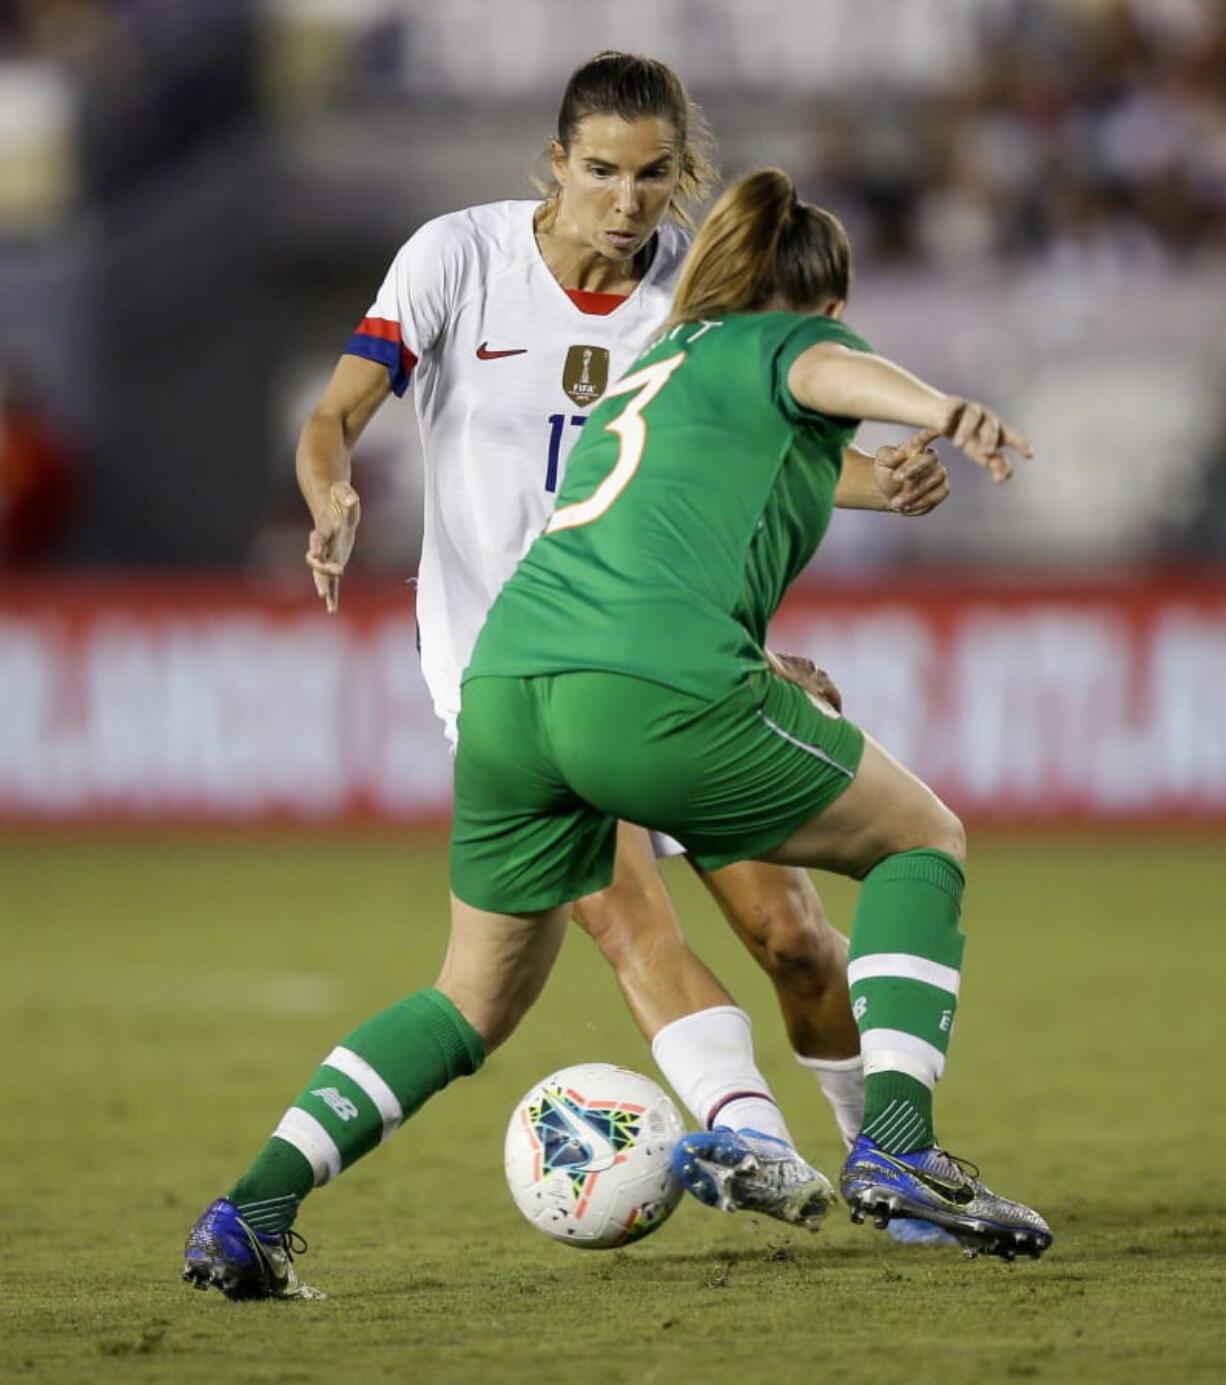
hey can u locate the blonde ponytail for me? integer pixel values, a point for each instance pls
(759, 244)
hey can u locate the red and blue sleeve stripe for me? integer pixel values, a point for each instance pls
(378, 339)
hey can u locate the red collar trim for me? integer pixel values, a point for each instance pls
(597, 304)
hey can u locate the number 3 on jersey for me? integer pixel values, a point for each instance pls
(630, 426)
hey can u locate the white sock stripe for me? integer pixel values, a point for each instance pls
(897, 1121)
(851, 1064)
(904, 1126)
(892, 1050)
(262, 1221)
(907, 966)
(267, 1202)
(890, 1109)
(910, 1130)
(358, 1070)
(887, 1114)
(300, 1129)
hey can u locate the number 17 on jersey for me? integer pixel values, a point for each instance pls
(557, 426)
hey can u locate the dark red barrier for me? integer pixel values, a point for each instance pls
(217, 703)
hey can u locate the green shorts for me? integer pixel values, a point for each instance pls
(547, 766)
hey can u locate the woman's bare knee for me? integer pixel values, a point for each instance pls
(951, 836)
(790, 924)
(779, 914)
(938, 829)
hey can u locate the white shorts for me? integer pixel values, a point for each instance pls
(451, 729)
(665, 846)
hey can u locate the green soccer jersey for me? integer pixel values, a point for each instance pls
(697, 493)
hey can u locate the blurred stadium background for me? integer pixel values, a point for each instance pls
(198, 200)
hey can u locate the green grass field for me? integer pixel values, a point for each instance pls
(163, 1001)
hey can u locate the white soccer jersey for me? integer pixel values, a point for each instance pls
(508, 365)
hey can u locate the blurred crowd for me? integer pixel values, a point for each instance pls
(1070, 157)
(152, 79)
(1087, 133)
(1087, 128)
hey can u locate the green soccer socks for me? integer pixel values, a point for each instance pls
(903, 970)
(365, 1088)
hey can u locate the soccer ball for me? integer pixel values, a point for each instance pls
(587, 1156)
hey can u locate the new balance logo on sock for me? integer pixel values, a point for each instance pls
(860, 1008)
(947, 1019)
(340, 1104)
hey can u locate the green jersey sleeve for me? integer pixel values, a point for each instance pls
(797, 337)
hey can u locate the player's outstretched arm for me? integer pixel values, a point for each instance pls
(325, 447)
(907, 479)
(832, 379)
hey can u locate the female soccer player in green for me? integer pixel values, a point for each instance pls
(589, 272)
(621, 675)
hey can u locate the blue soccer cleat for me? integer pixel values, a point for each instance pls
(224, 1252)
(910, 1231)
(746, 1171)
(932, 1186)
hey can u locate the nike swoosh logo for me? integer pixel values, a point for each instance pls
(604, 1156)
(485, 354)
(956, 1194)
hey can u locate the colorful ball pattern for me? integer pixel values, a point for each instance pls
(587, 1156)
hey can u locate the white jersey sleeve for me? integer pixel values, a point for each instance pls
(506, 365)
(410, 311)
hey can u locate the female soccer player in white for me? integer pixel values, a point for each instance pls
(513, 318)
